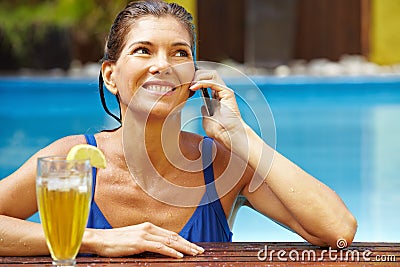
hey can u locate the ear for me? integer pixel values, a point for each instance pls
(107, 70)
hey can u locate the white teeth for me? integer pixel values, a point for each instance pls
(158, 88)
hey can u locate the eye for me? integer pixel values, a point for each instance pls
(181, 53)
(141, 51)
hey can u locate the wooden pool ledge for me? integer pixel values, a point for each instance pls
(247, 254)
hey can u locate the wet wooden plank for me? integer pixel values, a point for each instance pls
(247, 254)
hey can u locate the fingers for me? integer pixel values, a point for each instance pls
(207, 75)
(208, 78)
(163, 249)
(209, 84)
(169, 243)
(172, 248)
(219, 92)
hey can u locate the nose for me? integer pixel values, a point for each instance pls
(160, 65)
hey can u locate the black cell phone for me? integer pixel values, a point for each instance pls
(207, 101)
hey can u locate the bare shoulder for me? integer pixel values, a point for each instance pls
(21, 183)
(190, 145)
(232, 168)
(231, 175)
(110, 142)
(232, 172)
(222, 157)
(61, 146)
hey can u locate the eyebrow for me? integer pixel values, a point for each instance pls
(181, 44)
(151, 44)
(139, 43)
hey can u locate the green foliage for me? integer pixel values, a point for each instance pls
(24, 20)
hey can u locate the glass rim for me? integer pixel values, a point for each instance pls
(61, 159)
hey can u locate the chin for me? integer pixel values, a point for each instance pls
(159, 111)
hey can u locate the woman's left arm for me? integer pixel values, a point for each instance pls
(312, 209)
(301, 202)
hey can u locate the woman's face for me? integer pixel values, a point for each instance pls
(156, 66)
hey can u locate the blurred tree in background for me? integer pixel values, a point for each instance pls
(51, 33)
(46, 34)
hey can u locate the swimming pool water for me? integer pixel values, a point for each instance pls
(344, 131)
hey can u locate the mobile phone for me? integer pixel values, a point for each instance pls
(207, 101)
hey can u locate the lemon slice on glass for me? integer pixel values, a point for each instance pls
(85, 151)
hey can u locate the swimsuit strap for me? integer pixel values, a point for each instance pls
(208, 171)
(211, 196)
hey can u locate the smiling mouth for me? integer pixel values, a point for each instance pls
(159, 88)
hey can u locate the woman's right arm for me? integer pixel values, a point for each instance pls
(18, 202)
(21, 238)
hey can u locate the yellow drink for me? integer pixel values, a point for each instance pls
(64, 216)
(63, 200)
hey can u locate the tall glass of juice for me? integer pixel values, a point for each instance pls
(63, 189)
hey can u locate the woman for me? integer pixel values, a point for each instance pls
(149, 65)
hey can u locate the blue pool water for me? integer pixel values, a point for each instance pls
(344, 131)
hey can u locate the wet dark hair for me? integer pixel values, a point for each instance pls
(123, 23)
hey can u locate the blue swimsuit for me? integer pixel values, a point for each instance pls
(207, 224)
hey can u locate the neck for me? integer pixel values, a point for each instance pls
(152, 138)
(153, 155)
